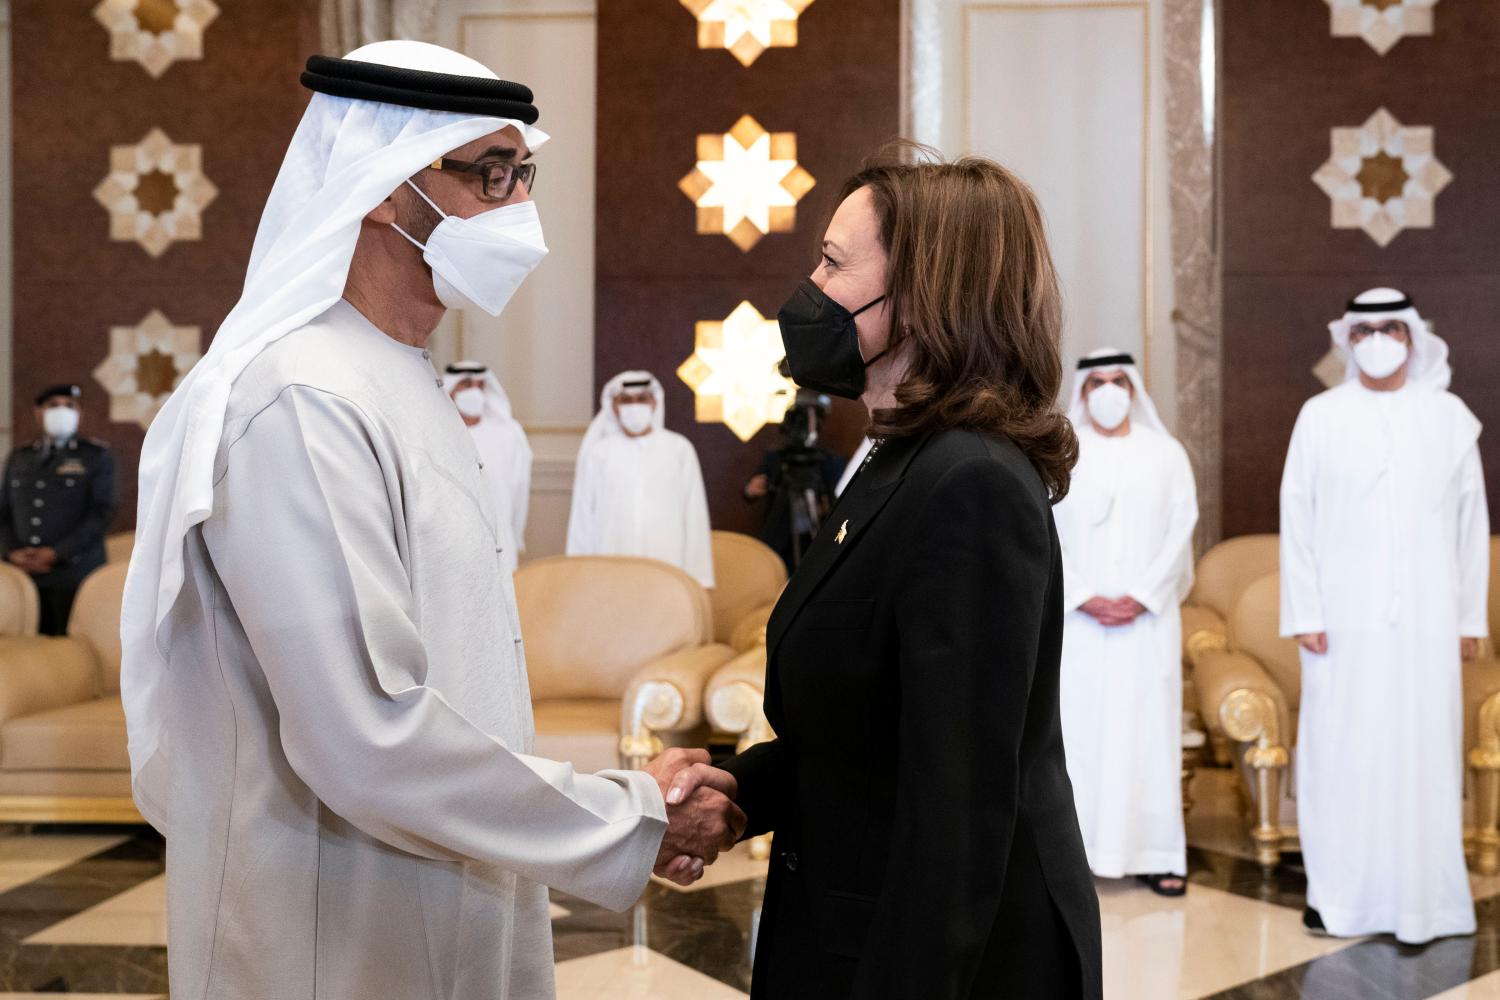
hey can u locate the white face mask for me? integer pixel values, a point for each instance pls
(470, 402)
(479, 262)
(60, 422)
(1109, 405)
(1378, 355)
(636, 417)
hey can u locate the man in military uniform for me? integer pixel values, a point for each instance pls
(58, 501)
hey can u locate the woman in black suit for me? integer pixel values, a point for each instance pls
(926, 842)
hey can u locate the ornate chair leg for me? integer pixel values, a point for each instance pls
(1484, 760)
(656, 706)
(1250, 717)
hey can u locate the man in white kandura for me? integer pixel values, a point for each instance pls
(323, 678)
(1126, 530)
(639, 490)
(1384, 577)
(504, 452)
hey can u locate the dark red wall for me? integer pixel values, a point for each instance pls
(1285, 82)
(839, 90)
(71, 103)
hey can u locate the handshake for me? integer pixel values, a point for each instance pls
(702, 819)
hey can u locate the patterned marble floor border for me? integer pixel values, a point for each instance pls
(711, 932)
(44, 902)
(1381, 968)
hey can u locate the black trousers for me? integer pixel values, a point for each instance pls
(56, 600)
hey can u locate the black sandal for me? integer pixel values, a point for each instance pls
(1158, 884)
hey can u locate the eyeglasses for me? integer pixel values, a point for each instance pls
(1391, 328)
(499, 178)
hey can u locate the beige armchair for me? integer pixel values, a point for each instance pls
(748, 577)
(618, 653)
(1220, 577)
(62, 728)
(734, 702)
(1482, 735)
(19, 609)
(1249, 692)
(117, 547)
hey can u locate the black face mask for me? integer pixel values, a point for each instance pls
(822, 344)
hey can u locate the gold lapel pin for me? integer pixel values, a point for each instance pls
(843, 533)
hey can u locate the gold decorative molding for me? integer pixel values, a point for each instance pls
(1206, 641)
(155, 33)
(1192, 205)
(68, 809)
(747, 183)
(1250, 716)
(1484, 761)
(656, 706)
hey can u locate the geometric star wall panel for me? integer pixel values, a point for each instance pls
(1383, 177)
(746, 27)
(1382, 23)
(155, 33)
(146, 362)
(747, 183)
(733, 372)
(1330, 368)
(155, 192)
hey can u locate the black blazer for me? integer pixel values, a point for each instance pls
(926, 841)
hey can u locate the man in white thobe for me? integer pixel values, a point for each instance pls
(322, 666)
(1126, 530)
(638, 490)
(504, 452)
(1384, 577)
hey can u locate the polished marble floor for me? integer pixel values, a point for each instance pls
(83, 914)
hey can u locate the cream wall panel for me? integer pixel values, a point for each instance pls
(542, 346)
(1069, 94)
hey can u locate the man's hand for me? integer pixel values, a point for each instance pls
(758, 486)
(44, 559)
(28, 559)
(1468, 647)
(702, 819)
(1314, 642)
(1113, 612)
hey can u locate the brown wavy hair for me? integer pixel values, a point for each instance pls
(972, 290)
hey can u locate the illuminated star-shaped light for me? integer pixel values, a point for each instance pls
(1381, 23)
(746, 27)
(1383, 177)
(734, 372)
(747, 183)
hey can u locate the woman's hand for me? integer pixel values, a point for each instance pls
(702, 819)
